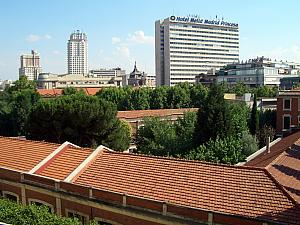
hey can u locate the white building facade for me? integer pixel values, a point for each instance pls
(78, 53)
(188, 46)
(30, 65)
(258, 72)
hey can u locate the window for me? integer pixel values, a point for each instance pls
(81, 217)
(11, 196)
(41, 203)
(287, 104)
(286, 122)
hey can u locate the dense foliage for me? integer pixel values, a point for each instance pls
(14, 213)
(163, 138)
(179, 96)
(77, 118)
(15, 105)
(217, 133)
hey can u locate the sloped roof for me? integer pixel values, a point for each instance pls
(135, 114)
(235, 190)
(265, 158)
(249, 192)
(52, 93)
(286, 170)
(66, 161)
(23, 155)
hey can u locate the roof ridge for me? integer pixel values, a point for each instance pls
(186, 160)
(280, 187)
(85, 164)
(29, 140)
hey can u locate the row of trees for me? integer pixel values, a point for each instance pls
(83, 120)
(14, 213)
(179, 96)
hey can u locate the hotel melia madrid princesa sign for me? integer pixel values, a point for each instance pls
(202, 21)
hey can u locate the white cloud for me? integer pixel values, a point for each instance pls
(33, 38)
(47, 36)
(139, 37)
(115, 40)
(123, 51)
(291, 53)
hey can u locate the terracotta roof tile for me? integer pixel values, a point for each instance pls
(23, 155)
(286, 170)
(64, 163)
(133, 114)
(235, 190)
(265, 158)
(51, 93)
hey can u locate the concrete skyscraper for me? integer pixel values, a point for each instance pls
(78, 53)
(189, 46)
(30, 65)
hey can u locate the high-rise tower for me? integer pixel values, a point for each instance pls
(30, 65)
(189, 46)
(78, 53)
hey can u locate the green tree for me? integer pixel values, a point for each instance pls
(198, 94)
(117, 95)
(158, 98)
(263, 133)
(184, 128)
(213, 118)
(21, 84)
(156, 137)
(14, 213)
(140, 99)
(254, 119)
(226, 150)
(268, 118)
(240, 89)
(72, 90)
(80, 119)
(249, 143)
(178, 97)
(239, 113)
(21, 104)
(120, 136)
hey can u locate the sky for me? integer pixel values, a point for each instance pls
(121, 32)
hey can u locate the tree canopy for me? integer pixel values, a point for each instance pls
(80, 119)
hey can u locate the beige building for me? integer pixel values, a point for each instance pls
(51, 81)
(30, 65)
(188, 46)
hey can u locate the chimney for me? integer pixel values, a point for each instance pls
(268, 144)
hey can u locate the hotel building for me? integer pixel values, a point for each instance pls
(78, 53)
(188, 46)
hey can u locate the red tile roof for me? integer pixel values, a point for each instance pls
(62, 164)
(52, 93)
(134, 114)
(265, 158)
(234, 190)
(270, 194)
(23, 155)
(286, 170)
